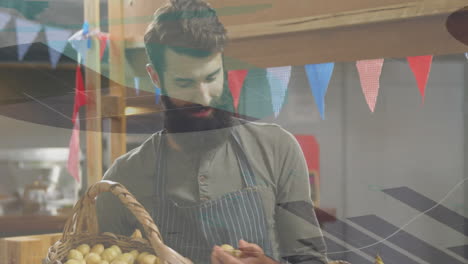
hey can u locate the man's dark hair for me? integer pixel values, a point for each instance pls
(189, 27)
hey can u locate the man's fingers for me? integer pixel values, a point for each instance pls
(249, 249)
(214, 256)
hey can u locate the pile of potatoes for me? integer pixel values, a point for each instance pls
(98, 254)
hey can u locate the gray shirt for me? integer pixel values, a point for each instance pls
(204, 174)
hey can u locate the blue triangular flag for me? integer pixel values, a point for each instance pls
(4, 19)
(278, 78)
(319, 76)
(157, 93)
(136, 82)
(86, 33)
(57, 41)
(466, 55)
(26, 33)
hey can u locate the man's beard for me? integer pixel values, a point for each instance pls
(179, 120)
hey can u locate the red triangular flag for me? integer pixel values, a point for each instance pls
(73, 163)
(421, 66)
(80, 93)
(236, 81)
(103, 38)
(369, 75)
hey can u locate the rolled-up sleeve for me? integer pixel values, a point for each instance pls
(299, 234)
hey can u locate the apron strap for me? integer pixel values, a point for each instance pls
(160, 181)
(244, 164)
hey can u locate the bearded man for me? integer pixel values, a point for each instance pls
(209, 178)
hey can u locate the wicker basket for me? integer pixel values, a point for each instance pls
(82, 227)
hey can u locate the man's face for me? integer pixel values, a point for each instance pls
(193, 83)
(194, 87)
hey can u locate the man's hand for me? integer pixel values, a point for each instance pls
(250, 254)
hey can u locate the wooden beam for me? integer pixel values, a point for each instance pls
(395, 39)
(93, 107)
(380, 14)
(397, 30)
(118, 144)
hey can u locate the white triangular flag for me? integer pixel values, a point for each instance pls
(278, 78)
(4, 19)
(26, 33)
(466, 55)
(57, 40)
(369, 75)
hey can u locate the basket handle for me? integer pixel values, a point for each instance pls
(84, 218)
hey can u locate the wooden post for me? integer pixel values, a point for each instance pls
(93, 89)
(118, 123)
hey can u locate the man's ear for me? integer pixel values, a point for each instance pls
(153, 75)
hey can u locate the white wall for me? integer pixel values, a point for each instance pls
(404, 143)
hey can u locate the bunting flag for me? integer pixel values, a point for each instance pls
(466, 55)
(421, 66)
(56, 41)
(80, 93)
(78, 42)
(4, 19)
(86, 34)
(255, 98)
(26, 33)
(236, 80)
(136, 83)
(157, 93)
(104, 40)
(319, 76)
(369, 75)
(278, 78)
(73, 163)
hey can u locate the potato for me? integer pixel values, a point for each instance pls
(98, 249)
(137, 234)
(75, 254)
(141, 256)
(83, 248)
(103, 262)
(93, 258)
(73, 261)
(231, 250)
(118, 262)
(237, 253)
(109, 254)
(134, 254)
(149, 259)
(126, 257)
(227, 248)
(116, 248)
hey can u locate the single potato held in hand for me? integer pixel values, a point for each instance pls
(231, 250)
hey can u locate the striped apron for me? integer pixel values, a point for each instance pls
(194, 230)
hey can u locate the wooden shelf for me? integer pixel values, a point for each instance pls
(36, 65)
(32, 223)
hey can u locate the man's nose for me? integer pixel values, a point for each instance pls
(202, 95)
